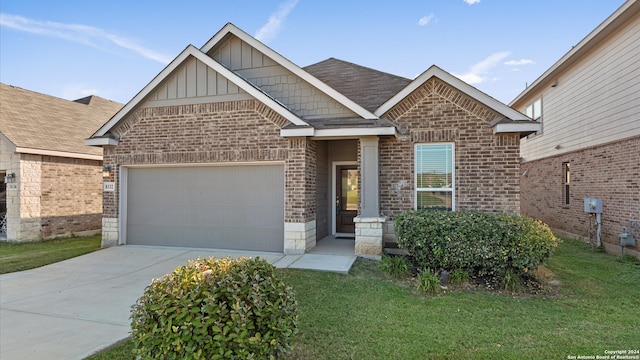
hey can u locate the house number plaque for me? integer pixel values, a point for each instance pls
(109, 186)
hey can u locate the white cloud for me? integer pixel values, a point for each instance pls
(83, 34)
(471, 2)
(269, 30)
(519, 62)
(426, 19)
(478, 73)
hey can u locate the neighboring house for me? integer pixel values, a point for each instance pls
(52, 182)
(234, 146)
(588, 104)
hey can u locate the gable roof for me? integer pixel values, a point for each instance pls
(368, 87)
(616, 20)
(513, 121)
(42, 124)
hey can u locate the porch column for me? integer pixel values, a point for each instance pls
(369, 223)
(369, 189)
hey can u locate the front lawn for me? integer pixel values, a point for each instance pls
(364, 315)
(25, 256)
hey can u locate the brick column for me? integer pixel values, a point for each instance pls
(300, 196)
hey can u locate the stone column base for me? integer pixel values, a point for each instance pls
(109, 232)
(299, 237)
(369, 234)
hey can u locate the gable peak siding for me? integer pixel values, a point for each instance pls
(486, 165)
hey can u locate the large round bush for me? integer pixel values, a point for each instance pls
(216, 309)
(482, 244)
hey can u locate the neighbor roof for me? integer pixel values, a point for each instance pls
(42, 124)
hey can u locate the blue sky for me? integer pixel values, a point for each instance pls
(113, 48)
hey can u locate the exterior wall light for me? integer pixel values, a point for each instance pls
(9, 178)
(106, 171)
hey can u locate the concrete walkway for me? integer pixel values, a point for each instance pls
(74, 308)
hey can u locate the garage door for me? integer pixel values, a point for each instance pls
(223, 207)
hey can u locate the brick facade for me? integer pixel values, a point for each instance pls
(54, 197)
(610, 172)
(243, 131)
(486, 165)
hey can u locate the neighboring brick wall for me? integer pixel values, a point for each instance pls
(71, 196)
(486, 165)
(610, 172)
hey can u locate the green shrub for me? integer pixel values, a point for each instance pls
(428, 281)
(458, 277)
(481, 244)
(395, 266)
(216, 309)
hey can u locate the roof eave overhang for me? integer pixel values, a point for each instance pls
(523, 128)
(222, 70)
(101, 141)
(340, 132)
(66, 154)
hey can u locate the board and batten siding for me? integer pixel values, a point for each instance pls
(595, 101)
(277, 81)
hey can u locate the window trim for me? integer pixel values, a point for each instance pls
(533, 117)
(566, 182)
(453, 175)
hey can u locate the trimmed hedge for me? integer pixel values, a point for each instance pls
(216, 309)
(480, 243)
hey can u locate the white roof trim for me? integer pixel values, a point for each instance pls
(193, 51)
(456, 83)
(101, 141)
(516, 127)
(57, 153)
(339, 132)
(591, 40)
(230, 28)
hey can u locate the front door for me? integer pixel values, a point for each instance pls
(346, 198)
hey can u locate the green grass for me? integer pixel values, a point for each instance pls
(25, 256)
(592, 307)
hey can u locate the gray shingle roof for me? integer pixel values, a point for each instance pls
(37, 121)
(367, 87)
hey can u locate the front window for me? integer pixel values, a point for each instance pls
(434, 177)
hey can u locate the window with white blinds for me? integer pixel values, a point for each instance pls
(434, 177)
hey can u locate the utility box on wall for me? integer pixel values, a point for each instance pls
(593, 205)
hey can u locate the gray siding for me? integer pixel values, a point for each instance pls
(595, 101)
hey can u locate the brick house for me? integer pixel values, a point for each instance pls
(52, 182)
(234, 146)
(589, 144)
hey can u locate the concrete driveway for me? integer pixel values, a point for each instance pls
(74, 308)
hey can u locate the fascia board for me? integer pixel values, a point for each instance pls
(516, 127)
(57, 153)
(101, 141)
(474, 93)
(307, 131)
(145, 91)
(193, 51)
(230, 28)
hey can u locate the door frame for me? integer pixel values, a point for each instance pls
(334, 167)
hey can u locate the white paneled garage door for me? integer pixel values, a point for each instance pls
(224, 207)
